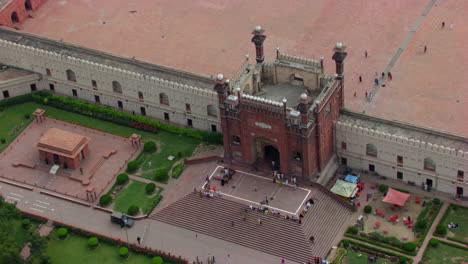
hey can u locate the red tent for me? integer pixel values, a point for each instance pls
(396, 197)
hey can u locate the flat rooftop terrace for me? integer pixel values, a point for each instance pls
(208, 37)
(284, 90)
(11, 74)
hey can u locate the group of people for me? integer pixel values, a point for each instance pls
(452, 226)
(280, 177)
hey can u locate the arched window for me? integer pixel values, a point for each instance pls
(211, 111)
(163, 99)
(14, 18)
(27, 5)
(371, 150)
(71, 76)
(116, 87)
(429, 164)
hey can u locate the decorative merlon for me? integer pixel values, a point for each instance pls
(290, 58)
(262, 100)
(401, 139)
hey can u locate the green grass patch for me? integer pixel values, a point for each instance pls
(75, 250)
(13, 122)
(459, 215)
(444, 253)
(22, 235)
(359, 257)
(135, 194)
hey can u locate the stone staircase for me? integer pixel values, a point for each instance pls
(276, 235)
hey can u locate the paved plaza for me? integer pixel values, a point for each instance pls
(208, 37)
(109, 154)
(253, 189)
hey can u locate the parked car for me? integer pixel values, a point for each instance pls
(121, 219)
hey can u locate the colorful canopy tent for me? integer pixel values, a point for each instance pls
(344, 188)
(395, 197)
(352, 178)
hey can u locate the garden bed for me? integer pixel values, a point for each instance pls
(446, 253)
(134, 194)
(459, 215)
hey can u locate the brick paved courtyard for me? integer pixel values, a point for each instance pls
(109, 154)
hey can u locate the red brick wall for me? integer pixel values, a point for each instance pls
(17, 6)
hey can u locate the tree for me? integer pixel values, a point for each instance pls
(433, 242)
(105, 200)
(123, 252)
(122, 178)
(149, 147)
(62, 232)
(410, 247)
(150, 187)
(9, 249)
(441, 229)
(132, 166)
(133, 210)
(367, 209)
(161, 175)
(93, 242)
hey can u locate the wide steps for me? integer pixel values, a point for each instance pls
(213, 217)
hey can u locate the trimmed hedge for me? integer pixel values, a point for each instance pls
(407, 259)
(353, 230)
(122, 178)
(410, 247)
(150, 187)
(177, 170)
(453, 245)
(433, 242)
(150, 207)
(21, 99)
(120, 118)
(441, 229)
(379, 244)
(105, 200)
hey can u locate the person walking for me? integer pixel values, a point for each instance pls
(421, 49)
(443, 24)
(360, 78)
(451, 26)
(365, 53)
(425, 48)
(255, 188)
(376, 81)
(207, 178)
(260, 221)
(383, 75)
(366, 94)
(139, 240)
(390, 76)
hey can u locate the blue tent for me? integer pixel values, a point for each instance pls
(352, 179)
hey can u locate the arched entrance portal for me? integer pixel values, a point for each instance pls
(266, 152)
(14, 18)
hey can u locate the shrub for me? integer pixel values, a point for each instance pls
(132, 166)
(122, 178)
(62, 232)
(149, 147)
(345, 243)
(133, 210)
(177, 170)
(441, 229)
(410, 246)
(161, 175)
(26, 223)
(2, 140)
(123, 252)
(105, 200)
(179, 154)
(367, 209)
(353, 230)
(394, 241)
(27, 116)
(402, 260)
(436, 201)
(93, 242)
(150, 187)
(383, 188)
(421, 224)
(433, 242)
(157, 260)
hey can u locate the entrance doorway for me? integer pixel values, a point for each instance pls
(56, 159)
(271, 154)
(459, 190)
(429, 182)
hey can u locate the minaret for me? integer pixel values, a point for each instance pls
(222, 88)
(258, 39)
(339, 57)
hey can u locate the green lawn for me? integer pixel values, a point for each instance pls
(171, 144)
(134, 193)
(13, 122)
(460, 217)
(352, 257)
(75, 250)
(444, 254)
(22, 235)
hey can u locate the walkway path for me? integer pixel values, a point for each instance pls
(402, 48)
